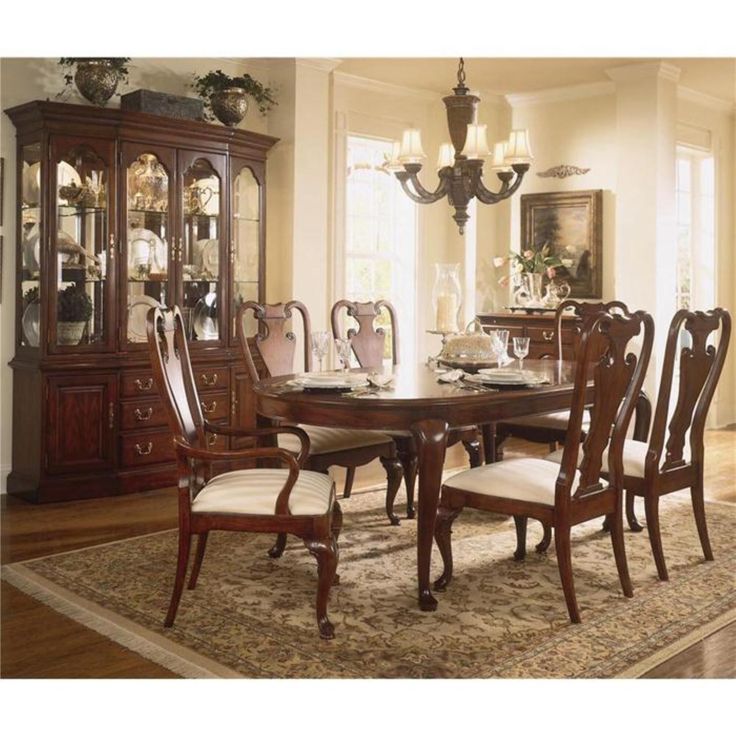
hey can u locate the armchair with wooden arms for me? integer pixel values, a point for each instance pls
(286, 500)
(369, 343)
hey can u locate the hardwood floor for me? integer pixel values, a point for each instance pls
(38, 642)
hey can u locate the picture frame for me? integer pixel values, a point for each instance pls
(571, 224)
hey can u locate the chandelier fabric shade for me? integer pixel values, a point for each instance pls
(460, 163)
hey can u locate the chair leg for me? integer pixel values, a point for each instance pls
(520, 522)
(394, 471)
(442, 536)
(564, 562)
(279, 546)
(336, 529)
(185, 540)
(410, 464)
(616, 526)
(349, 478)
(473, 448)
(325, 551)
(634, 524)
(651, 508)
(543, 546)
(489, 442)
(696, 493)
(198, 557)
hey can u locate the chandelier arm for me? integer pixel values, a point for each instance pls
(486, 196)
(420, 194)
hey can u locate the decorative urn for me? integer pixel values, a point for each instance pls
(230, 105)
(96, 80)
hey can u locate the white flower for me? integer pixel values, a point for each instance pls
(498, 261)
(519, 268)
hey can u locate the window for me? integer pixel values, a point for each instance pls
(695, 187)
(380, 238)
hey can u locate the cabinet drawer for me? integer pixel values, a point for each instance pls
(215, 406)
(142, 414)
(146, 448)
(211, 377)
(547, 335)
(138, 383)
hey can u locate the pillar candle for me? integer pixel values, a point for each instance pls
(447, 313)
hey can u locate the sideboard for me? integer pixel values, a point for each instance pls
(118, 211)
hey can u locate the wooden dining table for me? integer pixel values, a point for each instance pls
(418, 402)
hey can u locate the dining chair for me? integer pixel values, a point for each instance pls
(563, 495)
(275, 343)
(281, 500)
(656, 468)
(369, 344)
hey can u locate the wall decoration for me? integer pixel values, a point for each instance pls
(562, 171)
(571, 224)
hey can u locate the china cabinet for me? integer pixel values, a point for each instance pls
(119, 211)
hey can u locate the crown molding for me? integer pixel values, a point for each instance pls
(385, 88)
(260, 64)
(560, 94)
(688, 94)
(322, 65)
(646, 70)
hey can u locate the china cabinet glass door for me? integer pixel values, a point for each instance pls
(149, 203)
(80, 241)
(245, 253)
(199, 246)
(31, 259)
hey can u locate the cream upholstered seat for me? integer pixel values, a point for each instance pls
(554, 420)
(255, 492)
(525, 479)
(327, 439)
(635, 454)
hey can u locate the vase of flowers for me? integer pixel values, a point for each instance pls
(226, 98)
(96, 79)
(528, 270)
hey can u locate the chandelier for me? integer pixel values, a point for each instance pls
(460, 163)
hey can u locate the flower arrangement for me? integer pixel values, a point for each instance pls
(118, 65)
(529, 261)
(217, 81)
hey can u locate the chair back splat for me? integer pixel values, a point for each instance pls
(172, 371)
(617, 375)
(588, 312)
(701, 364)
(368, 341)
(275, 341)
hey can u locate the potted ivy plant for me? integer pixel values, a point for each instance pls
(96, 79)
(73, 310)
(226, 97)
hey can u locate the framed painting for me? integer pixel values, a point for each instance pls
(571, 224)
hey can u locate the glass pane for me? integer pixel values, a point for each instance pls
(246, 241)
(31, 246)
(80, 242)
(201, 250)
(148, 235)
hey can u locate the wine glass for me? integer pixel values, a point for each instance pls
(500, 346)
(343, 346)
(521, 349)
(320, 345)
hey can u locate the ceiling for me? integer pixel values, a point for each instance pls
(712, 76)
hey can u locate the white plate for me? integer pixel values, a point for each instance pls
(138, 307)
(204, 318)
(31, 322)
(31, 183)
(211, 256)
(353, 380)
(145, 246)
(506, 378)
(31, 248)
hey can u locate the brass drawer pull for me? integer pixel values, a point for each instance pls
(144, 450)
(211, 439)
(207, 380)
(548, 335)
(208, 409)
(143, 416)
(146, 385)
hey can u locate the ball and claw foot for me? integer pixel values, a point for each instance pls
(326, 629)
(427, 602)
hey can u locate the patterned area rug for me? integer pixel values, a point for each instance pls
(252, 616)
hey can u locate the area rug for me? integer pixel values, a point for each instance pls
(252, 616)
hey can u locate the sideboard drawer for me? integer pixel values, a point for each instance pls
(138, 383)
(215, 406)
(146, 448)
(142, 414)
(211, 377)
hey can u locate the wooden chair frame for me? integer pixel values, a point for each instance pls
(617, 376)
(173, 374)
(368, 343)
(277, 348)
(700, 369)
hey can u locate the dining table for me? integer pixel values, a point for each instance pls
(418, 402)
